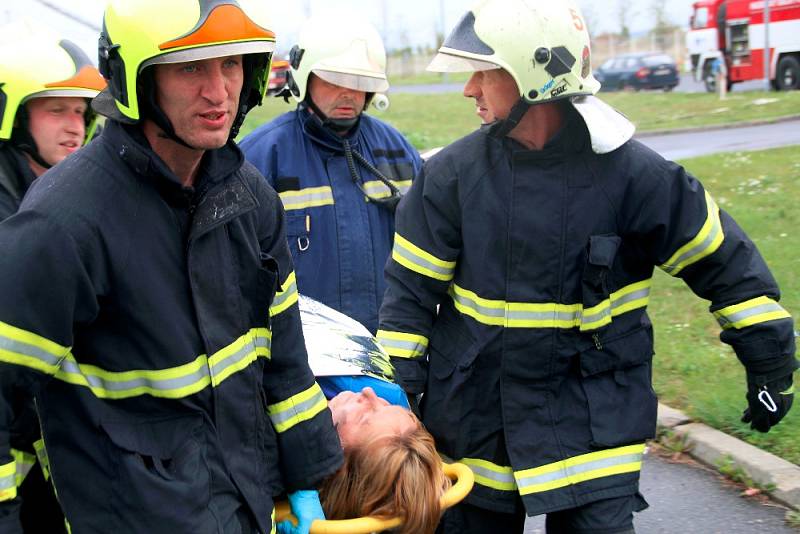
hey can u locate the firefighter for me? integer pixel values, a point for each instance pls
(339, 171)
(147, 297)
(537, 236)
(46, 89)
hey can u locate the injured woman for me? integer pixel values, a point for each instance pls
(391, 468)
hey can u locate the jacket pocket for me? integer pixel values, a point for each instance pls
(450, 392)
(616, 379)
(595, 281)
(298, 232)
(161, 478)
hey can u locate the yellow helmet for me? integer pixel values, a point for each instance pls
(36, 68)
(140, 33)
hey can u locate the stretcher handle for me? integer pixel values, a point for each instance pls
(461, 475)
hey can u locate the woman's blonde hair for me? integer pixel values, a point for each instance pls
(396, 476)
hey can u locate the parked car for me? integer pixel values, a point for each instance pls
(277, 76)
(644, 70)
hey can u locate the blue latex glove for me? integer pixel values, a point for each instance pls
(306, 508)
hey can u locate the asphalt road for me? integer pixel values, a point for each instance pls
(689, 499)
(698, 143)
(686, 85)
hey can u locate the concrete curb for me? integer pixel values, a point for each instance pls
(711, 446)
(709, 128)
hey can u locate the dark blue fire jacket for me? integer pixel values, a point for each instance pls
(339, 241)
(159, 327)
(538, 367)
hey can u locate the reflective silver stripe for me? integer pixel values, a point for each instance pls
(574, 470)
(69, 367)
(550, 314)
(9, 481)
(408, 346)
(26, 349)
(707, 240)
(578, 469)
(307, 198)
(175, 382)
(491, 475)
(296, 409)
(603, 315)
(753, 311)
(422, 262)
(285, 298)
(402, 344)
(618, 302)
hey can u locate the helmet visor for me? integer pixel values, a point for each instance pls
(356, 82)
(446, 62)
(212, 51)
(80, 93)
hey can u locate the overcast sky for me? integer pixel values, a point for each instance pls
(401, 22)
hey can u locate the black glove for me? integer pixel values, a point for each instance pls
(767, 402)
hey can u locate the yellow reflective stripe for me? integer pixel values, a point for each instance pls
(550, 314)
(750, 312)
(297, 408)
(24, 463)
(581, 468)
(240, 354)
(272, 521)
(414, 258)
(172, 383)
(377, 189)
(20, 347)
(284, 299)
(491, 475)
(706, 242)
(8, 486)
(307, 198)
(631, 297)
(41, 455)
(401, 344)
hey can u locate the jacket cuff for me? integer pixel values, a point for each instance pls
(412, 375)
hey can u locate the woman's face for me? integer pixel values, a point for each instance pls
(362, 417)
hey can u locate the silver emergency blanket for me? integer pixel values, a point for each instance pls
(340, 346)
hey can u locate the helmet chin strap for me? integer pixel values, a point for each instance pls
(21, 138)
(335, 125)
(153, 111)
(502, 127)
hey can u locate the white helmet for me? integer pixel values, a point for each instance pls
(343, 49)
(544, 45)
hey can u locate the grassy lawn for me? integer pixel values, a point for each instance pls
(425, 78)
(432, 120)
(693, 370)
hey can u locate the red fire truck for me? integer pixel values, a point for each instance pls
(733, 31)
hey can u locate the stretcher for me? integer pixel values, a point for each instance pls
(460, 474)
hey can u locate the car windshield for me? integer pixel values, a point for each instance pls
(661, 59)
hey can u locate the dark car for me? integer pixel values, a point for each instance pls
(638, 71)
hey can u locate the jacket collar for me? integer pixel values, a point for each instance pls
(133, 148)
(571, 138)
(16, 175)
(313, 128)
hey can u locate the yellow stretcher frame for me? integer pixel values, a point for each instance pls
(461, 475)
